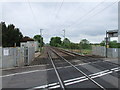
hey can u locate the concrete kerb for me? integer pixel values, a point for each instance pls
(23, 67)
(109, 59)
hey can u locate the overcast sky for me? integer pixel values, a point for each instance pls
(53, 17)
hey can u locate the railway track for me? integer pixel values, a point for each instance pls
(93, 61)
(85, 59)
(69, 75)
(61, 82)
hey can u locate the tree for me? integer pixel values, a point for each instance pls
(66, 40)
(10, 35)
(113, 44)
(55, 41)
(74, 46)
(84, 44)
(66, 43)
(39, 38)
(102, 43)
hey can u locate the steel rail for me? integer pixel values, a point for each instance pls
(80, 71)
(57, 73)
(83, 56)
(62, 50)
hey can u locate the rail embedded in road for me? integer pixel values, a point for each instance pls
(79, 70)
(57, 73)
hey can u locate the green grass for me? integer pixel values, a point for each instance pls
(87, 51)
(83, 51)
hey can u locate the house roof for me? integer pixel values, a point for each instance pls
(25, 39)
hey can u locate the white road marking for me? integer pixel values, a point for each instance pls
(57, 86)
(24, 72)
(38, 70)
(24, 67)
(74, 79)
(115, 68)
(20, 73)
(77, 80)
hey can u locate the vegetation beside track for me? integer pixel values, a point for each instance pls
(84, 47)
(82, 51)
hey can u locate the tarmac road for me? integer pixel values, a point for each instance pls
(106, 74)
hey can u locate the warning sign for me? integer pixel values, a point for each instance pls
(6, 52)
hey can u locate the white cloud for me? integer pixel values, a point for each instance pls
(21, 15)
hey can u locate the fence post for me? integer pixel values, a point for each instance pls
(15, 57)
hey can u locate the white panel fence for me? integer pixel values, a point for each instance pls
(101, 51)
(12, 57)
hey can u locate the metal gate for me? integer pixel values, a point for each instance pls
(26, 61)
(16, 56)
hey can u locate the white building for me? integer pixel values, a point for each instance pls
(30, 44)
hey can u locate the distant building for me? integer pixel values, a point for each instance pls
(26, 38)
(29, 42)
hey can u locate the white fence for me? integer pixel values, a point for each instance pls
(12, 57)
(101, 51)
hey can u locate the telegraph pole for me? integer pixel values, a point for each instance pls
(64, 33)
(41, 32)
(40, 40)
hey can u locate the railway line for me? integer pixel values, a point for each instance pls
(94, 61)
(90, 59)
(75, 68)
(80, 75)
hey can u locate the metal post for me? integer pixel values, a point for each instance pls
(119, 48)
(1, 55)
(41, 32)
(64, 33)
(40, 40)
(106, 43)
(119, 37)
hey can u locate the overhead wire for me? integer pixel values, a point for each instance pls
(54, 10)
(58, 11)
(86, 14)
(59, 8)
(95, 13)
(73, 14)
(33, 13)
